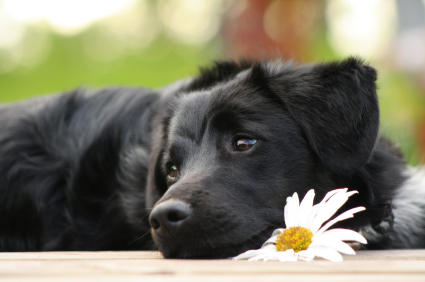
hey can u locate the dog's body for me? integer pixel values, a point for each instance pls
(215, 156)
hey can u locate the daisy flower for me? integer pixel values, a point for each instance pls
(304, 237)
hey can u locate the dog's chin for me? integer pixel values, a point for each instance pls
(207, 249)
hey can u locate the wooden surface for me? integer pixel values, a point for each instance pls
(394, 265)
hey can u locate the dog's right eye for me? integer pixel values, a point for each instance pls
(173, 172)
(243, 144)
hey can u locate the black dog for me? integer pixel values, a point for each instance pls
(206, 162)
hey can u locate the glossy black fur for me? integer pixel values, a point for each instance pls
(82, 170)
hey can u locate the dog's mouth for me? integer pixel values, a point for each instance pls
(207, 248)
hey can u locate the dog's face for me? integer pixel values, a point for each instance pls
(225, 158)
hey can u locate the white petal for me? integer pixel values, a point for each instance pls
(287, 252)
(333, 243)
(286, 213)
(271, 240)
(305, 208)
(266, 250)
(331, 193)
(312, 215)
(295, 209)
(278, 231)
(287, 255)
(316, 208)
(329, 208)
(264, 256)
(283, 258)
(326, 253)
(344, 235)
(306, 254)
(305, 258)
(246, 255)
(289, 216)
(345, 215)
(275, 257)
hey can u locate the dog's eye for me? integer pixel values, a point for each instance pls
(242, 145)
(173, 172)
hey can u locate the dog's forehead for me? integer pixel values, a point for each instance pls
(189, 115)
(195, 110)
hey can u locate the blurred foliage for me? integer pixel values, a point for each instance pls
(402, 105)
(64, 61)
(67, 67)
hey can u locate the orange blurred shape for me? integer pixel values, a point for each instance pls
(267, 28)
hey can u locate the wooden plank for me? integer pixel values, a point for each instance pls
(387, 255)
(227, 278)
(361, 255)
(80, 255)
(395, 265)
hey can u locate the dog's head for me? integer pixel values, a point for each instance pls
(228, 151)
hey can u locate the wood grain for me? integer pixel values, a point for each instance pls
(393, 265)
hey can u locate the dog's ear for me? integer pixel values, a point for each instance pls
(337, 107)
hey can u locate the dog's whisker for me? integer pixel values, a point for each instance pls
(141, 219)
(148, 232)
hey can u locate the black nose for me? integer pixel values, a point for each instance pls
(168, 217)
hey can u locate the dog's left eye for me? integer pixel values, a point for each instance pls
(173, 172)
(243, 144)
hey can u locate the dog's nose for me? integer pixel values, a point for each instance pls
(169, 216)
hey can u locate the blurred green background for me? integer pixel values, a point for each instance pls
(50, 46)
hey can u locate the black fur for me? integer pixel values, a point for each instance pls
(83, 170)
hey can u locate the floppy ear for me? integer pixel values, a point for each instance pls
(337, 107)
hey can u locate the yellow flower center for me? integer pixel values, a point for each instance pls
(296, 238)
